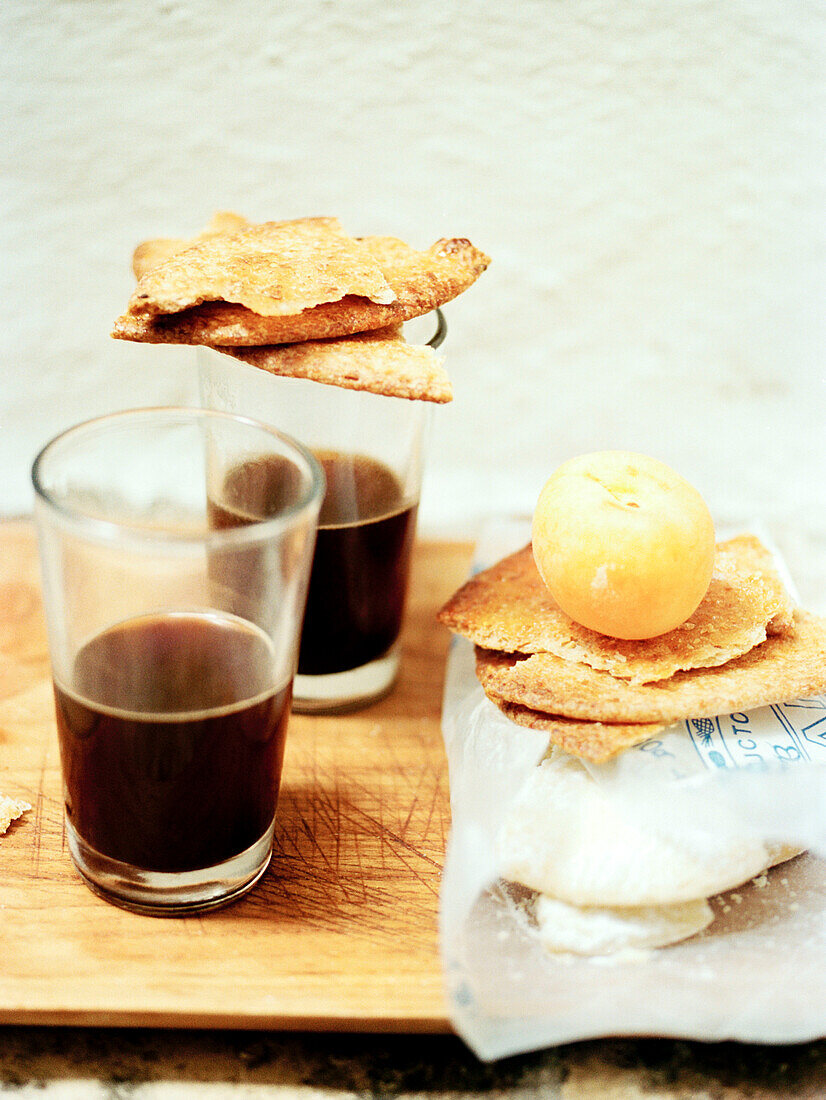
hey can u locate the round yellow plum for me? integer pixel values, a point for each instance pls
(624, 544)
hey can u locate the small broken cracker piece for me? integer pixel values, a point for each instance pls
(594, 741)
(509, 608)
(275, 269)
(784, 667)
(421, 282)
(376, 362)
(149, 254)
(10, 810)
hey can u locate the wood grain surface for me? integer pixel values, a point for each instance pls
(341, 933)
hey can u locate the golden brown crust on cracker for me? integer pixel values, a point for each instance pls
(784, 667)
(509, 608)
(421, 281)
(149, 254)
(221, 325)
(275, 269)
(594, 741)
(377, 362)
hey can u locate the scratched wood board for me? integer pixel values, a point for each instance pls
(341, 933)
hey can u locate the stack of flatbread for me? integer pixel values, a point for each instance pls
(601, 882)
(302, 298)
(745, 646)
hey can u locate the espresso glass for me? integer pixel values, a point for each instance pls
(370, 447)
(173, 640)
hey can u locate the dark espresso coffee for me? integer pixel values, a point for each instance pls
(172, 740)
(359, 574)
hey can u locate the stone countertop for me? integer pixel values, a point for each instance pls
(100, 1064)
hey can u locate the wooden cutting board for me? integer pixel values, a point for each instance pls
(341, 933)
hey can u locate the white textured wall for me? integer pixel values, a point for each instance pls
(647, 176)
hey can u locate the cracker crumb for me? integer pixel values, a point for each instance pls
(10, 810)
(761, 880)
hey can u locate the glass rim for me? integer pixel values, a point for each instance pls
(257, 530)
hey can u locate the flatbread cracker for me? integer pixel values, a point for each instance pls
(10, 810)
(594, 741)
(377, 362)
(275, 269)
(421, 281)
(785, 666)
(509, 608)
(149, 254)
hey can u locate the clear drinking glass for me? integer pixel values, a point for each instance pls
(370, 447)
(173, 639)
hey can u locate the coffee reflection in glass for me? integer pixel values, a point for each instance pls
(370, 448)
